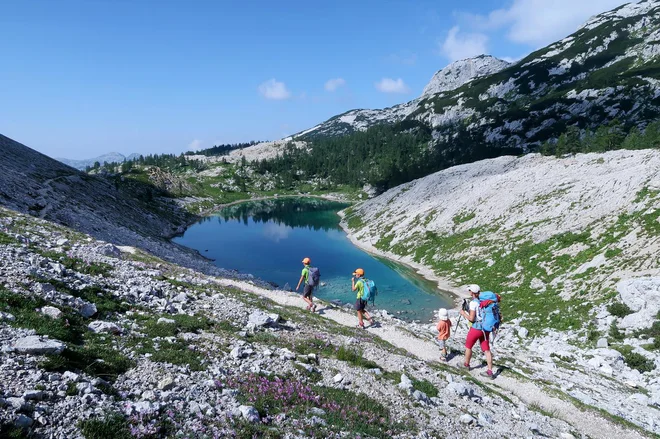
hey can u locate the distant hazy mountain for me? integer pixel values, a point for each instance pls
(105, 158)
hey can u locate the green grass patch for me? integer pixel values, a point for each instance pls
(96, 357)
(463, 217)
(114, 426)
(6, 239)
(70, 328)
(355, 358)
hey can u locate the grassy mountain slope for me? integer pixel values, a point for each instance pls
(553, 235)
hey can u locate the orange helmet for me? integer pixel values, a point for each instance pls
(306, 261)
(359, 271)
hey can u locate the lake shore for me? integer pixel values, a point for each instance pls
(443, 284)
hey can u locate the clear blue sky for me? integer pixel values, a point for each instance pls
(82, 78)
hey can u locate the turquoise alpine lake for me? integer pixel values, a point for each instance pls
(269, 239)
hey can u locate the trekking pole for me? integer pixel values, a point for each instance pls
(460, 316)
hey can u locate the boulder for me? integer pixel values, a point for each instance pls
(458, 389)
(420, 396)
(51, 312)
(108, 250)
(406, 384)
(70, 376)
(523, 332)
(642, 295)
(85, 309)
(34, 395)
(602, 343)
(98, 326)
(485, 419)
(23, 421)
(249, 413)
(261, 319)
(6, 316)
(338, 378)
(467, 419)
(36, 345)
(166, 383)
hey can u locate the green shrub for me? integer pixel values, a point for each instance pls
(425, 386)
(616, 333)
(635, 360)
(619, 309)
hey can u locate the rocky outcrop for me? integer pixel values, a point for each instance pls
(461, 72)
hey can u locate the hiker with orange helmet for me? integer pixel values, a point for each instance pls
(360, 303)
(308, 289)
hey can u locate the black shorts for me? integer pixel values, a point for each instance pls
(307, 291)
(360, 305)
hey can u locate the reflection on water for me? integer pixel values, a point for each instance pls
(269, 239)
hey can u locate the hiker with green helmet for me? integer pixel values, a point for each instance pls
(310, 275)
(360, 302)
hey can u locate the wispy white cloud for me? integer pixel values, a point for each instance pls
(274, 89)
(460, 45)
(333, 84)
(535, 23)
(389, 85)
(195, 145)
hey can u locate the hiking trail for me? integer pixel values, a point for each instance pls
(586, 422)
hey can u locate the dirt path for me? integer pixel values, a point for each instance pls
(588, 422)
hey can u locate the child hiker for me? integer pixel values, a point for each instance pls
(444, 330)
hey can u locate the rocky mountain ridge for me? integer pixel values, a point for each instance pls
(125, 212)
(606, 70)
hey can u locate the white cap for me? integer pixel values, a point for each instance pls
(442, 314)
(473, 288)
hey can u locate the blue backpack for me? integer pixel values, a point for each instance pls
(489, 312)
(370, 291)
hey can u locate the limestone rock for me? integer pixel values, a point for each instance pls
(98, 326)
(36, 345)
(249, 413)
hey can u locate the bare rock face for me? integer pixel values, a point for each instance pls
(642, 295)
(463, 71)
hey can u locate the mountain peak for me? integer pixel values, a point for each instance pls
(463, 71)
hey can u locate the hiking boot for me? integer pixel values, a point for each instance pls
(488, 374)
(360, 326)
(465, 366)
(313, 308)
(443, 358)
(309, 307)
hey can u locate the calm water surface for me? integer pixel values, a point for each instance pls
(270, 238)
